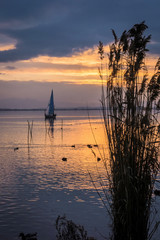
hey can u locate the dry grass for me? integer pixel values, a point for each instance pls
(130, 103)
(68, 230)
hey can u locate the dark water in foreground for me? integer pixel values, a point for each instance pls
(36, 185)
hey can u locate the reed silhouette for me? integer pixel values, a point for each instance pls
(30, 132)
(130, 104)
(28, 236)
(68, 230)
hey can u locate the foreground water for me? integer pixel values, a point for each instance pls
(36, 185)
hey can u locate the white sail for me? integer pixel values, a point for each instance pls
(50, 109)
(51, 105)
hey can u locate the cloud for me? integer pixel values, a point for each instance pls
(79, 68)
(10, 68)
(57, 28)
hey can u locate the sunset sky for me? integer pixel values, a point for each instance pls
(52, 44)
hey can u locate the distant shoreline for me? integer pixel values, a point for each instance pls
(42, 109)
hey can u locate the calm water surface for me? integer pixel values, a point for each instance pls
(36, 185)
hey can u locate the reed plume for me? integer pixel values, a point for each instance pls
(130, 105)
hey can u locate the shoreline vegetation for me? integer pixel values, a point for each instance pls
(130, 103)
(43, 109)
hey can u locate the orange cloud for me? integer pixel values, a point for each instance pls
(7, 47)
(7, 43)
(81, 67)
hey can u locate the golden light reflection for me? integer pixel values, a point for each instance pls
(82, 145)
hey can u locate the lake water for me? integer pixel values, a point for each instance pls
(36, 185)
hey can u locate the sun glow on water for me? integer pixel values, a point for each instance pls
(37, 184)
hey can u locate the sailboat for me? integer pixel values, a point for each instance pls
(49, 113)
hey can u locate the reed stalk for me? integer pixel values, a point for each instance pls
(130, 105)
(30, 131)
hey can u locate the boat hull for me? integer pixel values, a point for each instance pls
(53, 116)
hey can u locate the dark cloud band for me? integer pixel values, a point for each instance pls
(55, 28)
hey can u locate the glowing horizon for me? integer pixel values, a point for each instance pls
(80, 67)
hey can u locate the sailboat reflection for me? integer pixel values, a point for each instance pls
(49, 124)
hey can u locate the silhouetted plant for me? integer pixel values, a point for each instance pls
(28, 236)
(68, 230)
(130, 111)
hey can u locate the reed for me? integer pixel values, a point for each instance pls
(30, 132)
(130, 105)
(68, 230)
